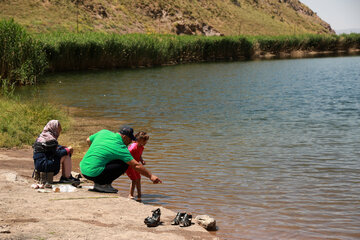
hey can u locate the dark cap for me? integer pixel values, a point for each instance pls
(128, 131)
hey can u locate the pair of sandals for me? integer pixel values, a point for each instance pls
(154, 220)
(182, 219)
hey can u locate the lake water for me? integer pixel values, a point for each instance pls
(270, 149)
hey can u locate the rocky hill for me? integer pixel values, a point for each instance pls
(201, 17)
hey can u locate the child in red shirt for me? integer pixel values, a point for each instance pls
(136, 149)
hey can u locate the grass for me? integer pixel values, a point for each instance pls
(149, 16)
(21, 122)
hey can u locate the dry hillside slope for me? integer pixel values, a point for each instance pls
(202, 17)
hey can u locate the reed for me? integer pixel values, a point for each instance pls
(69, 51)
(308, 42)
(22, 58)
(99, 50)
(350, 41)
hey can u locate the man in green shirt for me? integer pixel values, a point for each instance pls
(108, 158)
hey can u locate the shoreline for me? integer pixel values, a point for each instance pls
(83, 214)
(257, 55)
(298, 54)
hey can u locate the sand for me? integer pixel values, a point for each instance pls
(83, 214)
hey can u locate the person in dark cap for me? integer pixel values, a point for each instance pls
(108, 158)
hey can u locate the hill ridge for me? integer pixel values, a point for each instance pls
(201, 17)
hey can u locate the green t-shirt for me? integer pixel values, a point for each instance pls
(105, 147)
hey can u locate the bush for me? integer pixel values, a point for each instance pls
(351, 40)
(22, 58)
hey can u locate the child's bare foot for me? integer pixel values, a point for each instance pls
(131, 197)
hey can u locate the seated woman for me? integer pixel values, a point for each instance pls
(49, 155)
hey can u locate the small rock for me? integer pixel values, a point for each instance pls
(206, 222)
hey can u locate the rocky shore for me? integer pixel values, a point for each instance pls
(26, 213)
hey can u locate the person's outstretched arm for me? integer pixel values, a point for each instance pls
(143, 171)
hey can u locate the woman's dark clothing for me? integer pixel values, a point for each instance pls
(112, 171)
(48, 159)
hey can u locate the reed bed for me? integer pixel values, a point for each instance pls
(30, 55)
(99, 50)
(298, 43)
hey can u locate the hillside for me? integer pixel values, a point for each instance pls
(201, 17)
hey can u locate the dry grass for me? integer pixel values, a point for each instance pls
(269, 17)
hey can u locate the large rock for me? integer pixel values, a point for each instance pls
(196, 29)
(206, 222)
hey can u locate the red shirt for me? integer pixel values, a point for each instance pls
(136, 151)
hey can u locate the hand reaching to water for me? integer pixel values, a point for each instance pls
(155, 179)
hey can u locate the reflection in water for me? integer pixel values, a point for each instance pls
(268, 148)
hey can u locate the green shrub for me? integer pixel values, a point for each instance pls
(22, 58)
(351, 40)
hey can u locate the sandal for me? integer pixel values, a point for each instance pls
(152, 223)
(178, 218)
(186, 220)
(154, 220)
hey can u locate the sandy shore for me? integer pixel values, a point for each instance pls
(28, 214)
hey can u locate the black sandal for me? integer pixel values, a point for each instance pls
(178, 218)
(186, 220)
(154, 220)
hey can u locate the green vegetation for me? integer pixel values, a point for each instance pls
(70, 51)
(351, 40)
(22, 58)
(21, 122)
(308, 42)
(100, 50)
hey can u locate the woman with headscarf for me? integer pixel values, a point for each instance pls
(49, 155)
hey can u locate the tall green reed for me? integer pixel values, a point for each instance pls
(22, 58)
(69, 51)
(99, 50)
